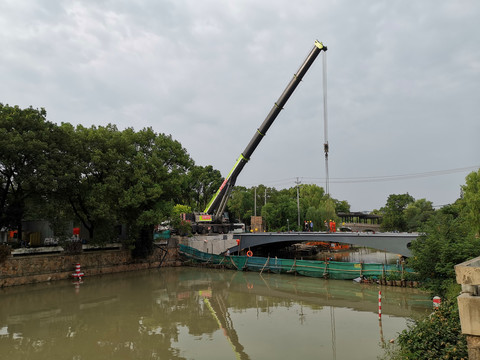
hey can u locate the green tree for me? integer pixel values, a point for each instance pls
(96, 179)
(56, 208)
(176, 221)
(203, 182)
(471, 194)
(240, 204)
(393, 212)
(124, 177)
(323, 213)
(311, 195)
(328, 212)
(342, 206)
(154, 182)
(451, 237)
(29, 155)
(448, 240)
(264, 194)
(316, 216)
(276, 214)
(417, 213)
(282, 205)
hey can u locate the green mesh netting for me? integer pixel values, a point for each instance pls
(311, 268)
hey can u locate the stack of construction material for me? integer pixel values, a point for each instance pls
(257, 224)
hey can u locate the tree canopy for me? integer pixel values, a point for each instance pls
(280, 208)
(450, 236)
(99, 177)
(102, 177)
(471, 194)
(202, 183)
(30, 150)
(417, 213)
(393, 212)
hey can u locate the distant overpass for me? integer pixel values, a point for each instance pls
(396, 243)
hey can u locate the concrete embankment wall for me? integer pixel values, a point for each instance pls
(213, 243)
(42, 268)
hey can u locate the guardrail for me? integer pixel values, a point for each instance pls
(57, 249)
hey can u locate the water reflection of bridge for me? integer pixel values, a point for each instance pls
(400, 302)
(397, 301)
(396, 243)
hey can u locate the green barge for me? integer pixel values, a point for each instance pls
(312, 268)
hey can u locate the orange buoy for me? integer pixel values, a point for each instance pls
(249, 253)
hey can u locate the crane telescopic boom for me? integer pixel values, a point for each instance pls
(217, 204)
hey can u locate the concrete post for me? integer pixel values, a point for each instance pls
(468, 275)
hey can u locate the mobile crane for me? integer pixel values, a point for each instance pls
(213, 218)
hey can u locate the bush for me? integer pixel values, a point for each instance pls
(437, 336)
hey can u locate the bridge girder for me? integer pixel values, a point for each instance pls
(396, 243)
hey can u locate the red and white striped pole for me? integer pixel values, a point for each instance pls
(78, 275)
(380, 305)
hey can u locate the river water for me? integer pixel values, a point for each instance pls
(197, 313)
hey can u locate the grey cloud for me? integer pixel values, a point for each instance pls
(403, 80)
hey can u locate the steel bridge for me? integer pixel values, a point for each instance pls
(396, 243)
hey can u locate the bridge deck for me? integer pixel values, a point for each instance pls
(396, 243)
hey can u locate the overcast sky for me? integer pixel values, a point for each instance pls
(403, 84)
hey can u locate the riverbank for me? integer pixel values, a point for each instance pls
(34, 265)
(28, 269)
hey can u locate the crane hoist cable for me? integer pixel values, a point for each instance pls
(325, 120)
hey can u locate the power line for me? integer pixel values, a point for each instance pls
(401, 176)
(364, 179)
(280, 182)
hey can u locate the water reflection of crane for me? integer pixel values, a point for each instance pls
(219, 311)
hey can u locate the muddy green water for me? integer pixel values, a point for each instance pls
(193, 313)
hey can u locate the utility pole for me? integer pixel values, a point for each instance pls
(255, 202)
(298, 201)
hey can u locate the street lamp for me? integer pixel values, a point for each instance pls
(288, 225)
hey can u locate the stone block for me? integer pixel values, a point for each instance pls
(469, 309)
(468, 272)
